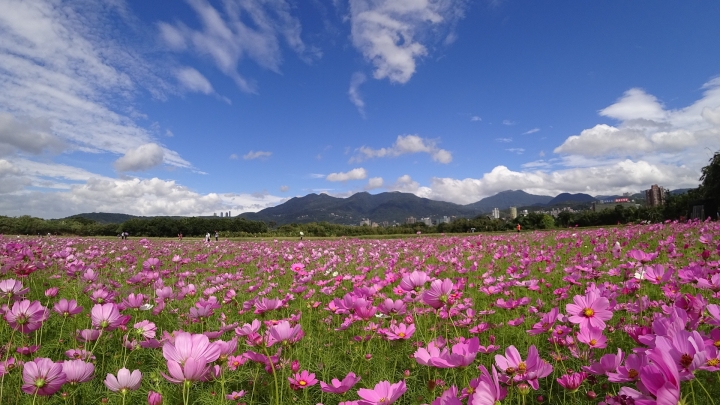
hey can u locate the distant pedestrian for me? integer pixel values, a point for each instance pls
(518, 228)
(301, 235)
(207, 237)
(216, 236)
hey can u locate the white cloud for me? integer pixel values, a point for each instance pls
(32, 136)
(475, 118)
(132, 196)
(284, 189)
(239, 30)
(374, 183)
(635, 104)
(193, 80)
(389, 33)
(505, 140)
(355, 174)
(405, 144)
(257, 155)
(508, 122)
(519, 151)
(143, 157)
(532, 131)
(169, 133)
(233, 156)
(406, 184)
(63, 65)
(354, 92)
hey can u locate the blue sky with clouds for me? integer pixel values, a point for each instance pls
(170, 107)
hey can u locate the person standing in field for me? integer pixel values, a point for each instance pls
(216, 236)
(518, 228)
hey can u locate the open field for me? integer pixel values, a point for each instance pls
(559, 317)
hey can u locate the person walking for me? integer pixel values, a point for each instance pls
(216, 236)
(518, 228)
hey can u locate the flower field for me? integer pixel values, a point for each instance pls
(624, 315)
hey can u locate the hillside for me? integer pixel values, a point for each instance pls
(507, 199)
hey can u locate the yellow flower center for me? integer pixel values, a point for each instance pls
(713, 362)
(522, 368)
(588, 312)
(632, 373)
(303, 383)
(401, 334)
(593, 342)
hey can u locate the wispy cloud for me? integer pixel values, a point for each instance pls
(257, 155)
(503, 139)
(389, 32)
(519, 151)
(405, 144)
(63, 66)
(354, 92)
(532, 131)
(239, 30)
(508, 122)
(475, 118)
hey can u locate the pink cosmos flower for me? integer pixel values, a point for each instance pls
(340, 387)
(188, 345)
(400, 331)
(488, 390)
(284, 333)
(154, 398)
(146, 329)
(546, 323)
(518, 370)
(194, 369)
(107, 317)
(384, 393)
(413, 281)
(78, 371)
(302, 380)
(572, 382)
(67, 308)
(235, 395)
(592, 337)
(589, 311)
(11, 289)
(42, 377)
(26, 316)
(124, 382)
(438, 295)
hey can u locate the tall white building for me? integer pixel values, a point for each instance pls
(496, 213)
(513, 212)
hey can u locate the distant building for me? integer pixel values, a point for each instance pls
(366, 222)
(427, 221)
(524, 213)
(655, 196)
(445, 220)
(496, 213)
(513, 212)
(214, 214)
(410, 220)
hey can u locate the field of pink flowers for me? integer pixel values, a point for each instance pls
(622, 315)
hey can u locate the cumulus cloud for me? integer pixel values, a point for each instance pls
(374, 183)
(193, 80)
(284, 189)
(257, 155)
(390, 33)
(239, 30)
(141, 158)
(355, 174)
(405, 144)
(648, 131)
(354, 92)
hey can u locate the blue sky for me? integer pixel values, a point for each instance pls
(170, 107)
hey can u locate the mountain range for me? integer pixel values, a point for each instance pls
(389, 206)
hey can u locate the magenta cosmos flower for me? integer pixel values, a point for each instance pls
(42, 377)
(589, 311)
(67, 308)
(488, 390)
(26, 316)
(193, 370)
(124, 382)
(284, 333)
(384, 393)
(518, 370)
(438, 294)
(400, 331)
(302, 380)
(339, 387)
